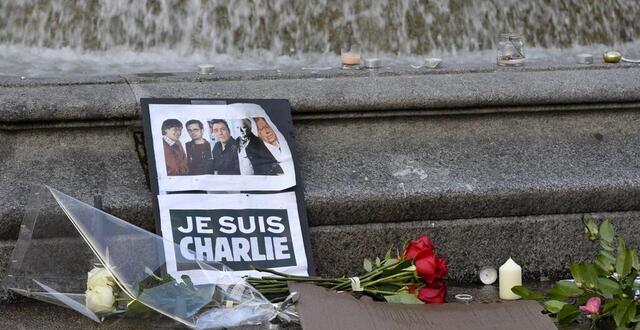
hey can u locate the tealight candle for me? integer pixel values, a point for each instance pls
(350, 58)
(612, 56)
(510, 275)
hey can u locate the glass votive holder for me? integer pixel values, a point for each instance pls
(350, 57)
(510, 49)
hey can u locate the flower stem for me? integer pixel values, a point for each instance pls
(399, 275)
(365, 277)
(380, 292)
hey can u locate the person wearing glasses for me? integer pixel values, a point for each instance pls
(199, 158)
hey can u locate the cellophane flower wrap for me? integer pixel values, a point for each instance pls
(71, 254)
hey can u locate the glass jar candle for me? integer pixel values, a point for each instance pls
(510, 49)
(350, 57)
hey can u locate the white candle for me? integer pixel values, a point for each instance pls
(510, 275)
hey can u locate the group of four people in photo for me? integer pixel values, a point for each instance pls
(247, 154)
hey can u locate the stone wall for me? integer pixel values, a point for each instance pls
(490, 163)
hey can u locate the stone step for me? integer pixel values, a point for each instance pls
(374, 170)
(490, 163)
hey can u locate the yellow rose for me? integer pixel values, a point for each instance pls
(100, 299)
(99, 277)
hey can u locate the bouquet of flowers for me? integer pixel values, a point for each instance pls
(101, 266)
(76, 256)
(604, 291)
(413, 277)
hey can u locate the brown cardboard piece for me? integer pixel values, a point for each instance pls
(322, 309)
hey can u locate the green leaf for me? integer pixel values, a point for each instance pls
(388, 254)
(568, 314)
(621, 246)
(535, 295)
(576, 272)
(609, 305)
(623, 312)
(521, 291)
(605, 261)
(569, 288)
(623, 260)
(592, 228)
(609, 287)
(388, 287)
(564, 289)
(554, 306)
(590, 275)
(635, 263)
(367, 264)
(585, 274)
(387, 262)
(136, 309)
(526, 294)
(629, 282)
(606, 231)
(607, 246)
(403, 298)
(378, 262)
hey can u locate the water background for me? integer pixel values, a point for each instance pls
(92, 37)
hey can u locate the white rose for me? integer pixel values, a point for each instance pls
(99, 277)
(100, 299)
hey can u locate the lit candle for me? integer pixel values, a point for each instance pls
(510, 275)
(350, 58)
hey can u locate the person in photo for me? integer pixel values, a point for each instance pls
(225, 151)
(269, 138)
(254, 157)
(174, 157)
(199, 158)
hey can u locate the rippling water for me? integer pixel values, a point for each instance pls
(122, 36)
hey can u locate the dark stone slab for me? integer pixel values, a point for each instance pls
(374, 170)
(80, 162)
(331, 91)
(403, 169)
(419, 91)
(542, 245)
(67, 102)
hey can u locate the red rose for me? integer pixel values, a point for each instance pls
(442, 270)
(427, 266)
(434, 293)
(430, 267)
(422, 244)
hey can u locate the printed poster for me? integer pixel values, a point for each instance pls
(227, 186)
(239, 230)
(233, 147)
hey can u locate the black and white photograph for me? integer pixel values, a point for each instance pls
(218, 147)
(241, 231)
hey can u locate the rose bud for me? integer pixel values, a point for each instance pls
(434, 293)
(592, 306)
(422, 244)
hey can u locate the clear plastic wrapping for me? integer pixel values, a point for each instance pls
(74, 255)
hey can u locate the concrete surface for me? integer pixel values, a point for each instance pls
(492, 163)
(332, 91)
